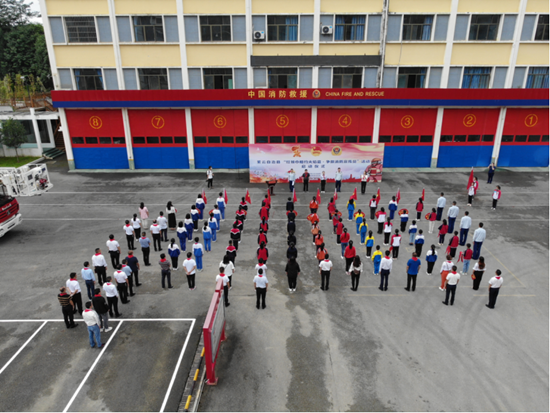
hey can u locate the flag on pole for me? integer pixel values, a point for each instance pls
(398, 196)
(423, 194)
(470, 179)
(318, 196)
(269, 196)
(354, 195)
(294, 199)
(204, 197)
(335, 195)
(247, 197)
(225, 195)
(378, 197)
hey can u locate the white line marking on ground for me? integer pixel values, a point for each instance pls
(22, 347)
(104, 347)
(177, 368)
(56, 320)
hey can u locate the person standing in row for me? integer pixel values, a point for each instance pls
(289, 205)
(190, 269)
(451, 283)
(324, 269)
(305, 178)
(442, 232)
(349, 254)
(210, 178)
(354, 270)
(331, 208)
(419, 209)
(129, 274)
(92, 321)
(479, 237)
(491, 173)
(262, 237)
(73, 286)
(350, 207)
(467, 257)
(163, 224)
(404, 219)
(213, 224)
(221, 205)
(419, 242)
(171, 212)
(441, 202)
(181, 232)
(111, 293)
(339, 231)
(102, 310)
(363, 230)
(413, 268)
(89, 278)
(291, 179)
(431, 218)
(144, 214)
(364, 179)
(446, 267)
(321, 253)
(198, 252)
(319, 240)
(129, 230)
(478, 271)
(377, 260)
(392, 207)
(381, 217)
(121, 284)
(452, 214)
(225, 284)
(114, 250)
(262, 253)
(145, 248)
(100, 266)
(385, 270)
(235, 235)
(471, 193)
(195, 217)
(369, 243)
(413, 229)
(136, 225)
(133, 263)
(67, 307)
(395, 244)
(453, 244)
(494, 287)
(431, 258)
(292, 270)
(323, 182)
(217, 216)
(313, 206)
(165, 271)
(359, 217)
(344, 240)
(260, 285)
(189, 226)
(155, 233)
(174, 252)
(373, 204)
(261, 266)
(291, 239)
(388, 226)
(200, 205)
(229, 269)
(207, 237)
(338, 180)
(496, 197)
(231, 251)
(465, 224)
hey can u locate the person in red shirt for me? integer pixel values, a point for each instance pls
(453, 244)
(319, 239)
(267, 201)
(431, 217)
(235, 235)
(243, 204)
(335, 219)
(321, 253)
(349, 255)
(339, 230)
(262, 252)
(419, 208)
(331, 208)
(467, 257)
(262, 238)
(443, 228)
(241, 214)
(264, 213)
(315, 230)
(313, 206)
(344, 240)
(313, 217)
(264, 226)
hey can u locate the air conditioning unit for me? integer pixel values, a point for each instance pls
(326, 29)
(259, 35)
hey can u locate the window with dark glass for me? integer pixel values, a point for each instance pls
(323, 139)
(104, 140)
(218, 78)
(283, 78)
(81, 29)
(533, 138)
(351, 139)
(166, 139)
(119, 141)
(78, 141)
(148, 29)
(337, 139)
(365, 139)
(289, 139)
(484, 27)
(417, 27)
(412, 77)
(544, 138)
(303, 139)
(153, 79)
(413, 138)
(241, 139)
(139, 140)
(282, 28)
(347, 77)
(200, 139)
(521, 138)
(476, 77)
(488, 138)
(446, 138)
(474, 138)
(349, 28)
(384, 138)
(537, 78)
(227, 139)
(153, 139)
(460, 138)
(91, 141)
(215, 28)
(214, 139)
(542, 28)
(88, 79)
(275, 139)
(262, 139)
(398, 139)
(507, 138)
(180, 139)
(427, 138)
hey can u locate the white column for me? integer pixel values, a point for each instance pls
(449, 46)
(316, 39)
(251, 127)
(314, 125)
(376, 125)
(36, 131)
(49, 43)
(498, 136)
(190, 146)
(116, 45)
(128, 136)
(437, 137)
(183, 49)
(67, 138)
(249, 51)
(515, 45)
(50, 131)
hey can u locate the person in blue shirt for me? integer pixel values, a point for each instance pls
(198, 251)
(89, 277)
(359, 218)
(200, 205)
(404, 219)
(363, 228)
(369, 244)
(351, 208)
(413, 267)
(431, 258)
(218, 216)
(207, 237)
(213, 224)
(182, 235)
(195, 217)
(392, 207)
(220, 202)
(377, 259)
(145, 248)
(412, 232)
(419, 242)
(189, 226)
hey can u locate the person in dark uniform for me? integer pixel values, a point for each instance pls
(102, 309)
(305, 177)
(290, 205)
(67, 307)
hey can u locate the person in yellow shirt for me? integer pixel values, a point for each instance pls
(359, 218)
(377, 259)
(369, 242)
(363, 229)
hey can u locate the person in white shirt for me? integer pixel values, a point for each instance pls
(229, 269)
(441, 202)
(395, 244)
(465, 224)
(452, 214)
(136, 224)
(225, 282)
(338, 180)
(129, 230)
(451, 281)
(260, 285)
(163, 224)
(471, 193)
(373, 205)
(324, 269)
(496, 196)
(323, 182)
(74, 287)
(100, 266)
(190, 270)
(479, 237)
(355, 270)
(387, 231)
(171, 212)
(144, 214)
(291, 179)
(381, 217)
(446, 268)
(114, 250)
(92, 321)
(122, 284)
(220, 203)
(494, 286)
(210, 177)
(155, 233)
(111, 293)
(261, 265)
(364, 179)
(385, 270)
(217, 216)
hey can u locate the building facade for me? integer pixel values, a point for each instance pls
(182, 84)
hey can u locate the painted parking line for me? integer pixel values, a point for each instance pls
(57, 320)
(22, 347)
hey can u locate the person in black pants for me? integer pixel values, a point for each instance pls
(290, 205)
(260, 284)
(305, 177)
(491, 173)
(323, 182)
(291, 227)
(156, 236)
(450, 285)
(67, 306)
(165, 270)
(494, 286)
(324, 269)
(133, 263)
(292, 271)
(102, 310)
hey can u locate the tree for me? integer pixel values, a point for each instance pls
(12, 135)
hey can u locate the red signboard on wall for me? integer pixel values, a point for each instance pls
(345, 122)
(282, 122)
(407, 126)
(95, 122)
(526, 122)
(217, 122)
(470, 121)
(157, 122)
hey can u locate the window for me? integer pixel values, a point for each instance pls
(412, 77)
(484, 27)
(152, 139)
(303, 139)
(105, 140)
(384, 138)
(537, 78)
(215, 28)
(446, 138)
(119, 141)
(474, 138)
(139, 140)
(350, 28)
(283, 78)
(148, 29)
(365, 139)
(78, 141)
(180, 139)
(262, 139)
(507, 138)
(289, 139)
(92, 141)
(81, 29)
(282, 28)
(200, 139)
(460, 138)
(166, 139)
(398, 139)
(228, 139)
(275, 139)
(413, 138)
(542, 28)
(351, 139)
(544, 138)
(533, 138)
(323, 139)
(476, 77)
(426, 138)
(218, 78)
(214, 139)
(417, 27)
(337, 139)
(521, 138)
(347, 77)
(488, 138)
(241, 139)
(88, 79)
(153, 79)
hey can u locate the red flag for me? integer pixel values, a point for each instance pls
(470, 179)
(294, 199)
(247, 197)
(204, 197)
(378, 197)
(354, 195)
(318, 196)
(398, 196)
(335, 195)
(225, 195)
(423, 194)
(269, 196)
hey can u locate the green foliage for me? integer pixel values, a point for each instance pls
(12, 134)
(14, 13)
